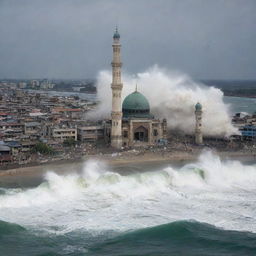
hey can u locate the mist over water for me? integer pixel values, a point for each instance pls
(171, 95)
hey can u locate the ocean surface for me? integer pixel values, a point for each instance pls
(84, 96)
(206, 207)
(241, 104)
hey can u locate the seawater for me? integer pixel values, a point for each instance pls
(206, 207)
(82, 95)
(241, 104)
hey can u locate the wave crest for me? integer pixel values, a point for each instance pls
(180, 237)
(100, 199)
(209, 172)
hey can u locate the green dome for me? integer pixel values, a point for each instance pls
(198, 107)
(136, 105)
(136, 101)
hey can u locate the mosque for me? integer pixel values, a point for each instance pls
(132, 124)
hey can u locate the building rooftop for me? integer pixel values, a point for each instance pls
(29, 124)
(4, 148)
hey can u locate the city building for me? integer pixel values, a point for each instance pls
(90, 133)
(5, 154)
(22, 85)
(32, 128)
(46, 85)
(34, 84)
(64, 133)
(248, 132)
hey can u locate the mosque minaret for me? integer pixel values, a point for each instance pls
(116, 86)
(131, 124)
(198, 128)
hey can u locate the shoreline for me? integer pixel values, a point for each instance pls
(122, 160)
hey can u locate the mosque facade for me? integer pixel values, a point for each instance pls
(132, 123)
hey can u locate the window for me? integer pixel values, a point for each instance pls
(125, 134)
(155, 132)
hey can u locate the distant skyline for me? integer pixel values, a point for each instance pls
(72, 39)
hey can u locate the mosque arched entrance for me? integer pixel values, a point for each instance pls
(141, 134)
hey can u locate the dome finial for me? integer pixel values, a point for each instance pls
(116, 34)
(136, 88)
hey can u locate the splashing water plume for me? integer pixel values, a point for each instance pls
(172, 96)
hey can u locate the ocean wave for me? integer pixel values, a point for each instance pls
(15, 240)
(209, 172)
(179, 238)
(185, 237)
(7, 228)
(209, 190)
(2, 191)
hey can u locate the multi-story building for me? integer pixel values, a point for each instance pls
(63, 133)
(34, 84)
(32, 128)
(90, 133)
(22, 85)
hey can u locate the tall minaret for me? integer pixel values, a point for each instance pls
(198, 130)
(116, 86)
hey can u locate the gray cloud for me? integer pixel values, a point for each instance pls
(72, 39)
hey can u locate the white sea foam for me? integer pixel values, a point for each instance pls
(172, 96)
(209, 190)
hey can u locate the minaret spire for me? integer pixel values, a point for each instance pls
(198, 128)
(116, 86)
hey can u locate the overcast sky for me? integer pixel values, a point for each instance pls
(209, 39)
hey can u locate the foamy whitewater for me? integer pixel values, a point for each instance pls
(221, 193)
(172, 95)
